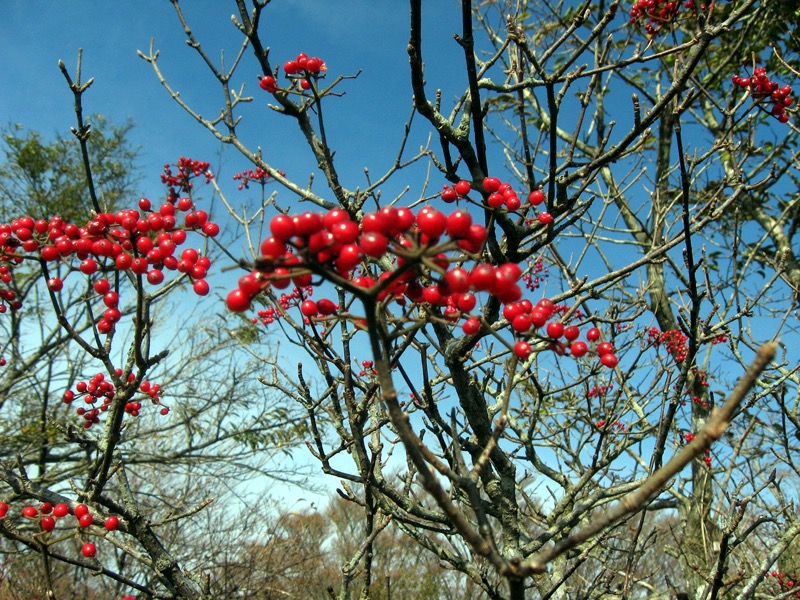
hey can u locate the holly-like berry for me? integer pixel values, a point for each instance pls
(89, 550)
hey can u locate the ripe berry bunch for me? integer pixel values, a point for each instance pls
(258, 175)
(48, 517)
(180, 182)
(429, 250)
(498, 194)
(335, 243)
(304, 69)
(787, 584)
(659, 13)
(675, 342)
(765, 91)
(142, 241)
(97, 389)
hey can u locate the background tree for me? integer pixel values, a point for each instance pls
(112, 397)
(519, 385)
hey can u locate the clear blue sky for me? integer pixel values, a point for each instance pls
(365, 126)
(370, 35)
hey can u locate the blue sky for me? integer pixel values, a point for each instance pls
(365, 126)
(360, 34)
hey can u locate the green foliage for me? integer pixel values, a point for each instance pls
(46, 178)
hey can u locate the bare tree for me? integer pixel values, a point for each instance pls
(578, 369)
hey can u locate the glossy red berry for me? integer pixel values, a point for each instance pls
(522, 349)
(30, 512)
(268, 84)
(604, 348)
(471, 326)
(578, 349)
(555, 329)
(609, 360)
(491, 184)
(112, 523)
(536, 197)
(89, 550)
(238, 301)
(463, 188)
(60, 510)
(48, 523)
(593, 334)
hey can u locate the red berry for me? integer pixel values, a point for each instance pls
(449, 194)
(432, 223)
(268, 84)
(30, 512)
(604, 348)
(609, 360)
(89, 550)
(374, 244)
(471, 326)
(86, 520)
(102, 286)
(55, 284)
(578, 349)
(571, 333)
(60, 510)
(112, 522)
(200, 287)
(309, 308)
(522, 349)
(48, 523)
(210, 229)
(326, 307)
(463, 188)
(536, 197)
(483, 277)
(458, 280)
(555, 329)
(458, 224)
(282, 227)
(155, 277)
(238, 301)
(593, 334)
(88, 266)
(545, 218)
(491, 184)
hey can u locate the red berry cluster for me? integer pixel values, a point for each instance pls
(535, 274)
(141, 242)
(303, 69)
(153, 391)
(180, 182)
(659, 13)
(258, 175)
(764, 90)
(420, 244)
(786, 583)
(48, 516)
(525, 317)
(618, 425)
(599, 391)
(688, 436)
(675, 342)
(368, 368)
(99, 390)
(498, 194)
